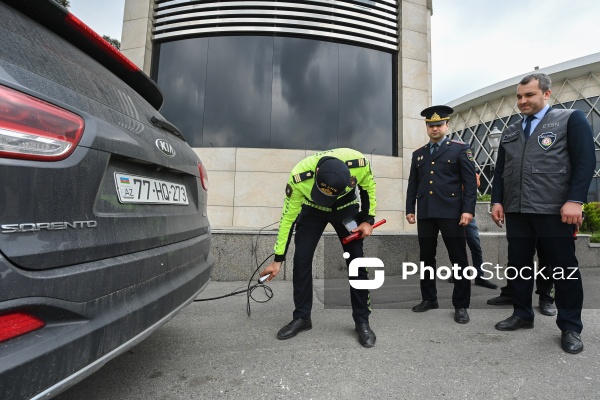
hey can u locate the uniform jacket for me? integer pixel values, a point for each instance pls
(301, 182)
(436, 181)
(555, 165)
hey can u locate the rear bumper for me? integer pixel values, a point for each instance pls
(99, 318)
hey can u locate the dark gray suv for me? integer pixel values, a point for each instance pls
(104, 234)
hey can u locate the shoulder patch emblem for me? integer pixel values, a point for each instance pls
(353, 182)
(288, 191)
(360, 162)
(470, 154)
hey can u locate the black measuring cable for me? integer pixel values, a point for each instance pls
(267, 290)
(251, 287)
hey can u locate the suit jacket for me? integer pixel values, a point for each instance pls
(443, 185)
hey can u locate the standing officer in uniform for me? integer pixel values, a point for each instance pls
(443, 183)
(543, 173)
(321, 190)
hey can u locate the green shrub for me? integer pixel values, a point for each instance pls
(591, 222)
(484, 197)
(595, 238)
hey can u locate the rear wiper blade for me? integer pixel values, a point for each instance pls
(166, 125)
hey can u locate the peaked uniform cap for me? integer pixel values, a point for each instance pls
(436, 115)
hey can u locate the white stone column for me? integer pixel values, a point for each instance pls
(136, 38)
(414, 81)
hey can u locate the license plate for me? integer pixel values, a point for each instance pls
(139, 189)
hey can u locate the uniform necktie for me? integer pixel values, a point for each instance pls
(527, 131)
(434, 148)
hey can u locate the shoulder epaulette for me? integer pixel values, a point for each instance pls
(360, 162)
(303, 176)
(457, 142)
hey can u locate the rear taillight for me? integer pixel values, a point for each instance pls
(17, 324)
(203, 176)
(33, 129)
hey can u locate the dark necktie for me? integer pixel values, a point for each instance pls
(527, 131)
(434, 148)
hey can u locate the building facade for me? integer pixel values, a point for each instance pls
(575, 84)
(255, 86)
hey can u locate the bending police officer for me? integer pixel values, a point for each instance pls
(321, 190)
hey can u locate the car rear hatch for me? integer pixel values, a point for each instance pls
(131, 183)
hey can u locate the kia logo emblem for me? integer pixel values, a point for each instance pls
(165, 147)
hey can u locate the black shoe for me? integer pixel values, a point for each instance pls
(513, 323)
(571, 342)
(461, 316)
(547, 308)
(485, 283)
(500, 301)
(366, 336)
(293, 328)
(425, 306)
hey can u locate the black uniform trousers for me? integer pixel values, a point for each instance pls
(453, 235)
(543, 282)
(543, 287)
(310, 225)
(556, 240)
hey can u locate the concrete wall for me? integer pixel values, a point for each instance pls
(414, 81)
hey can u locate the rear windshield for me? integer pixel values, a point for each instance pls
(27, 47)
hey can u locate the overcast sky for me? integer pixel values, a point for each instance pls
(475, 43)
(103, 16)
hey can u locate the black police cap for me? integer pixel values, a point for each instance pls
(331, 179)
(437, 115)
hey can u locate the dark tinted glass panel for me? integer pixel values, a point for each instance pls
(596, 128)
(365, 102)
(502, 123)
(181, 77)
(278, 92)
(594, 119)
(568, 105)
(305, 94)
(583, 105)
(467, 135)
(238, 91)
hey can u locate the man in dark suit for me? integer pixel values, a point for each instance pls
(544, 288)
(543, 173)
(442, 182)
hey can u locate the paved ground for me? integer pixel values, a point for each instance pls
(214, 350)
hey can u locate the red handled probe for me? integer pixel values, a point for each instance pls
(356, 235)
